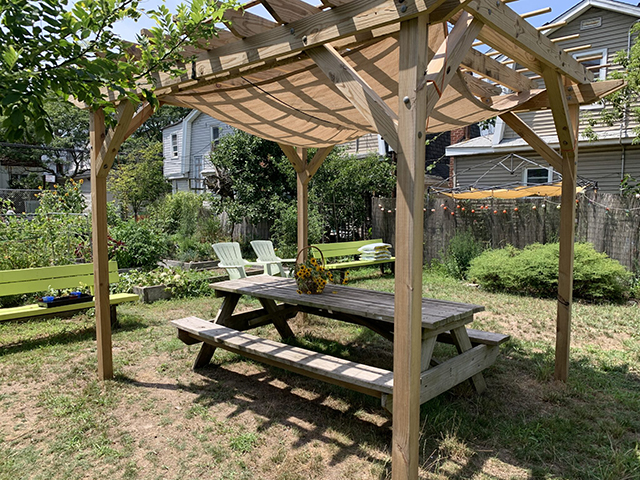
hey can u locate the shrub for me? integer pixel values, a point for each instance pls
(534, 271)
(285, 229)
(462, 248)
(144, 245)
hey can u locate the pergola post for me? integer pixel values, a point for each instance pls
(304, 173)
(100, 253)
(566, 119)
(412, 117)
(104, 146)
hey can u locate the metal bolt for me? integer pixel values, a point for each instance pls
(400, 1)
(419, 134)
(489, 11)
(406, 100)
(105, 166)
(304, 39)
(292, 31)
(497, 3)
(403, 8)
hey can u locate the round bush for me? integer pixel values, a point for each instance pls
(534, 271)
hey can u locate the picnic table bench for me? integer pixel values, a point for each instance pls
(349, 249)
(442, 321)
(35, 280)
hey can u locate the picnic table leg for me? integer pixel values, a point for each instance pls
(463, 343)
(226, 310)
(278, 321)
(427, 352)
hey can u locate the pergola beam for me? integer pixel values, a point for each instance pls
(353, 18)
(446, 60)
(509, 34)
(355, 89)
(110, 145)
(490, 68)
(287, 11)
(538, 144)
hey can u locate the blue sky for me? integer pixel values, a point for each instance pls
(128, 29)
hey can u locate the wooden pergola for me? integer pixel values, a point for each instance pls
(317, 76)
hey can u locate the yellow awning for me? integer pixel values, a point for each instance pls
(554, 190)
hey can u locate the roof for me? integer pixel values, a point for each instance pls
(578, 9)
(484, 145)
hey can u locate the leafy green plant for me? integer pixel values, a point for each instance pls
(285, 228)
(462, 248)
(181, 283)
(534, 271)
(143, 244)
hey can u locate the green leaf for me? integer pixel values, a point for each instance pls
(10, 56)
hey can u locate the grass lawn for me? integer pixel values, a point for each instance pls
(238, 419)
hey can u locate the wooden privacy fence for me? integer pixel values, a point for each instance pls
(610, 222)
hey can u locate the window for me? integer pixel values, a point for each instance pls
(195, 182)
(594, 58)
(174, 144)
(537, 176)
(215, 136)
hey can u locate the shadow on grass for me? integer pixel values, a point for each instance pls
(127, 323)
(524, 426)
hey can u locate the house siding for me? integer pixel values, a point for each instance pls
(364, 145)
(172, 165)
(611, 35)
(590, 167)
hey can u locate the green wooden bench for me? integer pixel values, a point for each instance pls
(34, 280)
(349, 249)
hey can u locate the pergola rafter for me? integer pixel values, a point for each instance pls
(315, 77)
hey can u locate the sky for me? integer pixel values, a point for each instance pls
(128, 29)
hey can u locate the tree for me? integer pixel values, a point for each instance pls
(140, 181)
(252, 177)
(48, 47)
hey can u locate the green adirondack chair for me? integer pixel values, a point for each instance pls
(267, 257)
(231, 259)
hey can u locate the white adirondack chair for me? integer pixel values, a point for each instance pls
(231, 259)
(267, 257)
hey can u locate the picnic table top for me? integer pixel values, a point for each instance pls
(369, 304)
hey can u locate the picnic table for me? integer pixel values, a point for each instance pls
(442, 321)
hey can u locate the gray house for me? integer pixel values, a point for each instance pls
(594, 31)
(186, 145)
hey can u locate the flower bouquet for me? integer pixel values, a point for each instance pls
(311, 275)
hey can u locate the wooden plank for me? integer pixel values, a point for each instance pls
(450, 373)
(224, 314)
(482, 89)
(302, 193)
(279, 321)
(444, 64)
(412, 117)
(258, 317)
(436, 314)
(331, 369)
(428, 344)
(534, 141)
(100, 253)
(463, 344)
(287, 11)
(506, 32)
(353, 18)
(477, 337)
(317, 160)
(566, 120)
(575, 94)
(243, 23)
(139, 118)
(490, 68)
(355, 89)
(110, 144)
